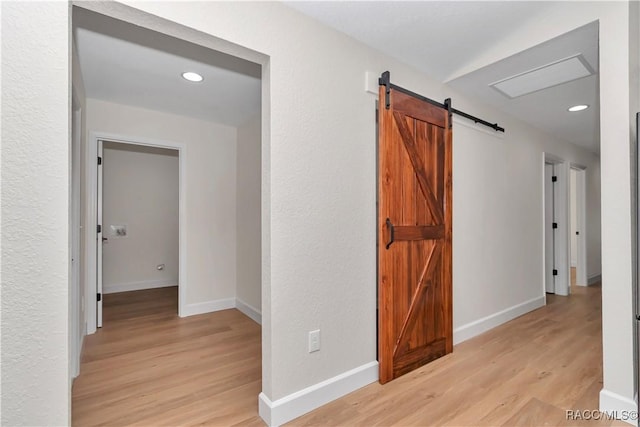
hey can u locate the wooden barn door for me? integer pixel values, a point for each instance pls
(414, 247)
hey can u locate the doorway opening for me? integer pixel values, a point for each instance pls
(577, 209)
(138, 242)
(209, 134)
(565, 254)
(556, 226)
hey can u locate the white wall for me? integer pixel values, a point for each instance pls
(319, 174)
(248, 258)
(210, 156)
(634, 108)
(498, 239)
(322, 189)
(36, 90)
(619, 99)
(140, 190)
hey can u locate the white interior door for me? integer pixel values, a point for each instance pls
(549, 284)
(561, 240)
(573, 209)
(581, 232)
(99, 241)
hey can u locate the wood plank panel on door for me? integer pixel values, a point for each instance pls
(415, 229)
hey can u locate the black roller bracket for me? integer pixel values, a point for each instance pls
(555, 272)
(385, 80)
(447, 105)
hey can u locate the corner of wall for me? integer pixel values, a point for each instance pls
(248, 218)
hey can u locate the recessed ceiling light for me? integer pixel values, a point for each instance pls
(192, 77)
(577, 108)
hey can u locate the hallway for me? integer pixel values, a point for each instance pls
(147, 366)
(526, 372)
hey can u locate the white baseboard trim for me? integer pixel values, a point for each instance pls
(208, 306)
(249, 311)
(479, 326)
(306, 400)
(592, 280)
(137, 286)
(618, 406)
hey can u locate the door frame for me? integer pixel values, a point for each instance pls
(547, 232)
(99, 187)
(562, 243)
(581, 207)
(236, 49)
(75, 239)
(92, 241)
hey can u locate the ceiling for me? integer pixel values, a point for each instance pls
(547, 109)
(131, 65)
(437, 37)
(442, 37)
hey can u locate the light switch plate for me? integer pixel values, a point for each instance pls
(118, 230)
(314, 341)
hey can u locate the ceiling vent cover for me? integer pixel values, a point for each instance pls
(556, 73)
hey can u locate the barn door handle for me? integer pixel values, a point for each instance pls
(391, 232)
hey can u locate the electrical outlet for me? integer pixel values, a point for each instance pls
(314, 341)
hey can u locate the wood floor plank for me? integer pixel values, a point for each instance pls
(206, 370)
(536, 413)
(527, 372)
(149, 367)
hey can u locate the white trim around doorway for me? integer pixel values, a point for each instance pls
(92, 216)
(581, 242)
(562, 258)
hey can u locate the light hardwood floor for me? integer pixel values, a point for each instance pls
(149, 367)
(526, 372)
(157, 369)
